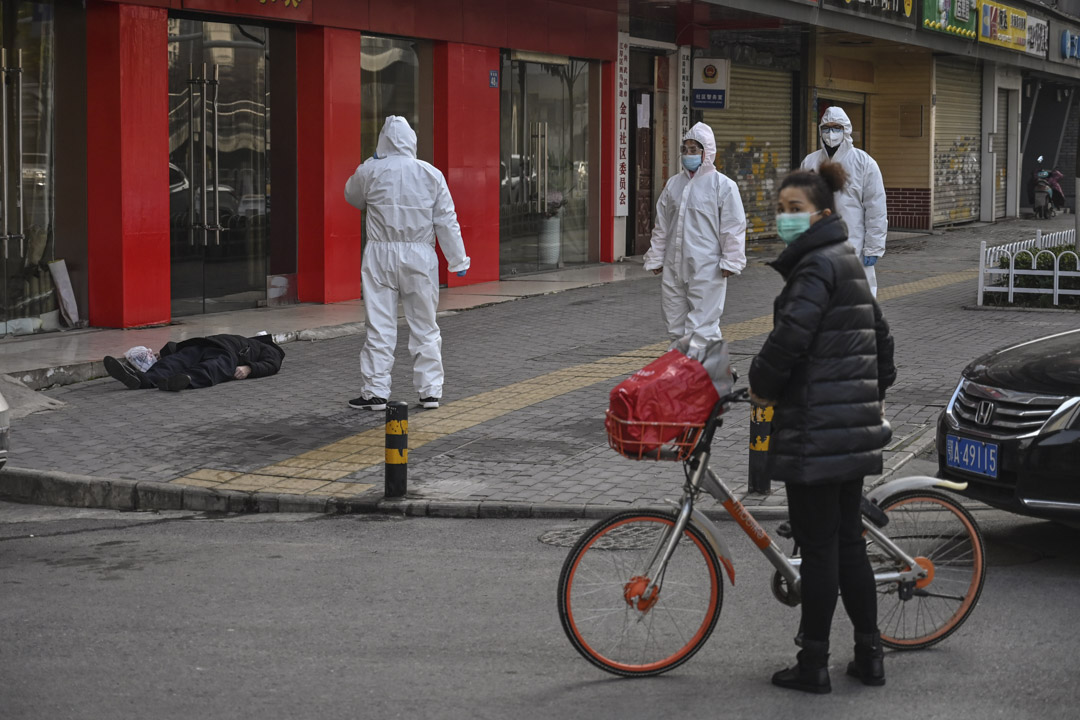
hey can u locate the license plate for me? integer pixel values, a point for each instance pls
(971, 455)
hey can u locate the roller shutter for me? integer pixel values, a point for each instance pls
(1001, 154)
(753, 140)
(957, 141)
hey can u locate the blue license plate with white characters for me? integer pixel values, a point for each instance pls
(971, 455)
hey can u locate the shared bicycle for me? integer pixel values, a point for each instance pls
(641, 591)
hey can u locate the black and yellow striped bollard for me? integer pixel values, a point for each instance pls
(397, 449)
(760, 429)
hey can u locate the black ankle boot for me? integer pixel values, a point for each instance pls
(811, 674)
(869, 663)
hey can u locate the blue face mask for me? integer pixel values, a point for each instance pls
(691, 162)
(791, 225)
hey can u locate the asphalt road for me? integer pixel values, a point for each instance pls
(159, 616)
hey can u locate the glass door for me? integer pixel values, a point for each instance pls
(27, 301)
(544, 195)
(219, 165)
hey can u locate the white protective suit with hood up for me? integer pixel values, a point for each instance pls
(700, 231)
(408, 205)
(861, 204)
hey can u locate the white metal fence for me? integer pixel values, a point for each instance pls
(995, 279)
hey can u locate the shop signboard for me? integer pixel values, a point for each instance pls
(900, 11)
(1002, 25)
(1038, 36)
(959, 18)
(292, 10)
(710, 83)
(1064, 43)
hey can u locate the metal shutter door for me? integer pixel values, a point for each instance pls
(957, 141)
(1001, 145)
(753, 141)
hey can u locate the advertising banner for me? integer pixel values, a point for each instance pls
(1003, 26)
(959, 18)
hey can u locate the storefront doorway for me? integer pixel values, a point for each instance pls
(219, 165)
(545, 165)
(27, 300)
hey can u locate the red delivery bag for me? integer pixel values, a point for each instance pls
(658, 404)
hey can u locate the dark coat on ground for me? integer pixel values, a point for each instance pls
(261, 353)
(826, 364)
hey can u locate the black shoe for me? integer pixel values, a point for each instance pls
(811, 673)
(368, 403)
(869, 663)
(429, 403)
(132, 378)
(174, 383)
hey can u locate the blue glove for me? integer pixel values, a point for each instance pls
(869, 261)
(462, 273)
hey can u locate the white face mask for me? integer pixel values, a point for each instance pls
(832, 137)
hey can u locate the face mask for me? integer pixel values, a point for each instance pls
(832, 138)
(791, 225)
(691, 162)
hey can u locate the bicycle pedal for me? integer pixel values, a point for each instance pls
(784, 530)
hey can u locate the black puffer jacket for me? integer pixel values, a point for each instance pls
(260, 353)
(826, 364)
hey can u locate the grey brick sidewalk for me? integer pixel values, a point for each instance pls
(550, 456)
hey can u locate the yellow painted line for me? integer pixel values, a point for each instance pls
(367, 449)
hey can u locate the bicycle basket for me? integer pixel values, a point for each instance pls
(640, 440)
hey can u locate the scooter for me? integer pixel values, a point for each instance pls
(1044, 196)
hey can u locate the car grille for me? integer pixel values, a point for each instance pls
(1002, 413)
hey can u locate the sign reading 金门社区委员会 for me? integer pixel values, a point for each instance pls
(959, 18)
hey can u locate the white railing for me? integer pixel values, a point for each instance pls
(995, 279)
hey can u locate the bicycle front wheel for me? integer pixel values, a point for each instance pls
(941, 535)
(609, 615)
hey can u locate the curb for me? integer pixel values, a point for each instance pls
(62, 489)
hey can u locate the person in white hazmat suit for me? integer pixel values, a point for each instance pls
(698, 241)
(861, 204)
(408, 206)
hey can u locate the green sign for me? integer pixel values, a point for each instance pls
(959, 18)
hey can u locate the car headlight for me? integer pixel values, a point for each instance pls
(1066, 417)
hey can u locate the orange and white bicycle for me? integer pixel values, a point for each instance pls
(641, 591)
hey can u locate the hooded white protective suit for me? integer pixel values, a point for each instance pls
(408, 205)
(700, 231)
(862, 202)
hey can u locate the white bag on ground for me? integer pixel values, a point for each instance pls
(141, 357)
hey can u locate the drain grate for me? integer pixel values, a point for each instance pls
(635, 536)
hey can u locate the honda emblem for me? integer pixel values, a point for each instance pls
(985, 412)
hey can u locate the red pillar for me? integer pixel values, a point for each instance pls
(467, 151)
(127, 164)
(607, 162)
(328, 151)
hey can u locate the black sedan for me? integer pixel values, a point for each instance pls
(1012, 428)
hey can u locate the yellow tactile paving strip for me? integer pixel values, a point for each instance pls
(319, 471)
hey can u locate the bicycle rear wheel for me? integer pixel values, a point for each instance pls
(602, 604)
(941, 535)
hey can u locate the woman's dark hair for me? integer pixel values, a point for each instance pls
(819, 186)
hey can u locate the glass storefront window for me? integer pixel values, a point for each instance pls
(27, 300)
(545, 161)
(395, 80)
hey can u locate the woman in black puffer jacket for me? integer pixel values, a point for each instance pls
(825, 367)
